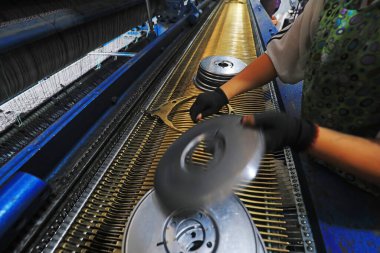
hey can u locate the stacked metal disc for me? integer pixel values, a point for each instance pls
(214, 71)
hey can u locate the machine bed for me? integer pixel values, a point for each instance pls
(96, 144)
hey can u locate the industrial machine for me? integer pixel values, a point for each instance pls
(92, 95)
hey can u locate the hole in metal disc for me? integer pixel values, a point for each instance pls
(223, 64)
(190, 235)
(203, 152)
(201, 155)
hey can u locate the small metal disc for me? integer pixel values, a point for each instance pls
(221, 227)
(206, 161)
(222, 65)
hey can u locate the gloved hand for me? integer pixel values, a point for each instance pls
(281, 130)
(208, 103)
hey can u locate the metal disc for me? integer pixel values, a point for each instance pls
(214, 71)
(203, 86)
(222, 65)
(222, 227)
(206, 161)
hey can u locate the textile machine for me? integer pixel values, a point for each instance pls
(92, 94)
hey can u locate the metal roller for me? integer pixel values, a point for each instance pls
(205, 162)
(221, 227)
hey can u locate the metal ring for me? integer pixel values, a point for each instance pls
(235, 150)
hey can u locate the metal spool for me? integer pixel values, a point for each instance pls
(221, 227)
(214, 71)
(206, 162)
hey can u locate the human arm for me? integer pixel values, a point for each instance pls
(285, 57)
(256, 74)
(211, 102)
(356, 155)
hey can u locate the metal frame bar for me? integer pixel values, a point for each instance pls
(122, 54)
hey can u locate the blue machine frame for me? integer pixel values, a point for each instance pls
(346, 218)
(24, 179)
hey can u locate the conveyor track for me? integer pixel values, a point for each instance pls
(272, 199)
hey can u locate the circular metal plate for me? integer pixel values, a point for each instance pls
(205, 162)
(222, 65)
(214, 71)
(224, 226)
(203, 86)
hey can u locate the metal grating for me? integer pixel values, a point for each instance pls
(99, 224)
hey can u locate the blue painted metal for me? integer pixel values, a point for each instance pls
(196, 12)
(343, 217)
(18, 202)
(15, 34)
(159, 29)
(267, 29)
(42, 154)
(291, 94)
(347, 217)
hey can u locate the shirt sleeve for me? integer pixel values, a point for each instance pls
(289, 48)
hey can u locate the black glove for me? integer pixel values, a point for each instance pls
(208, 103)
(281, 130)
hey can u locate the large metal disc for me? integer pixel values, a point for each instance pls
(222, 65)
(206, 161)
(222, 227)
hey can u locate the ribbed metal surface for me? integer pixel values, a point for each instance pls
(100, 224)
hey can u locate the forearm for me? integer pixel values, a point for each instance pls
(358, 156)
(256, 74)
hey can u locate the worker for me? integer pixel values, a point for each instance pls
(334, 46)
